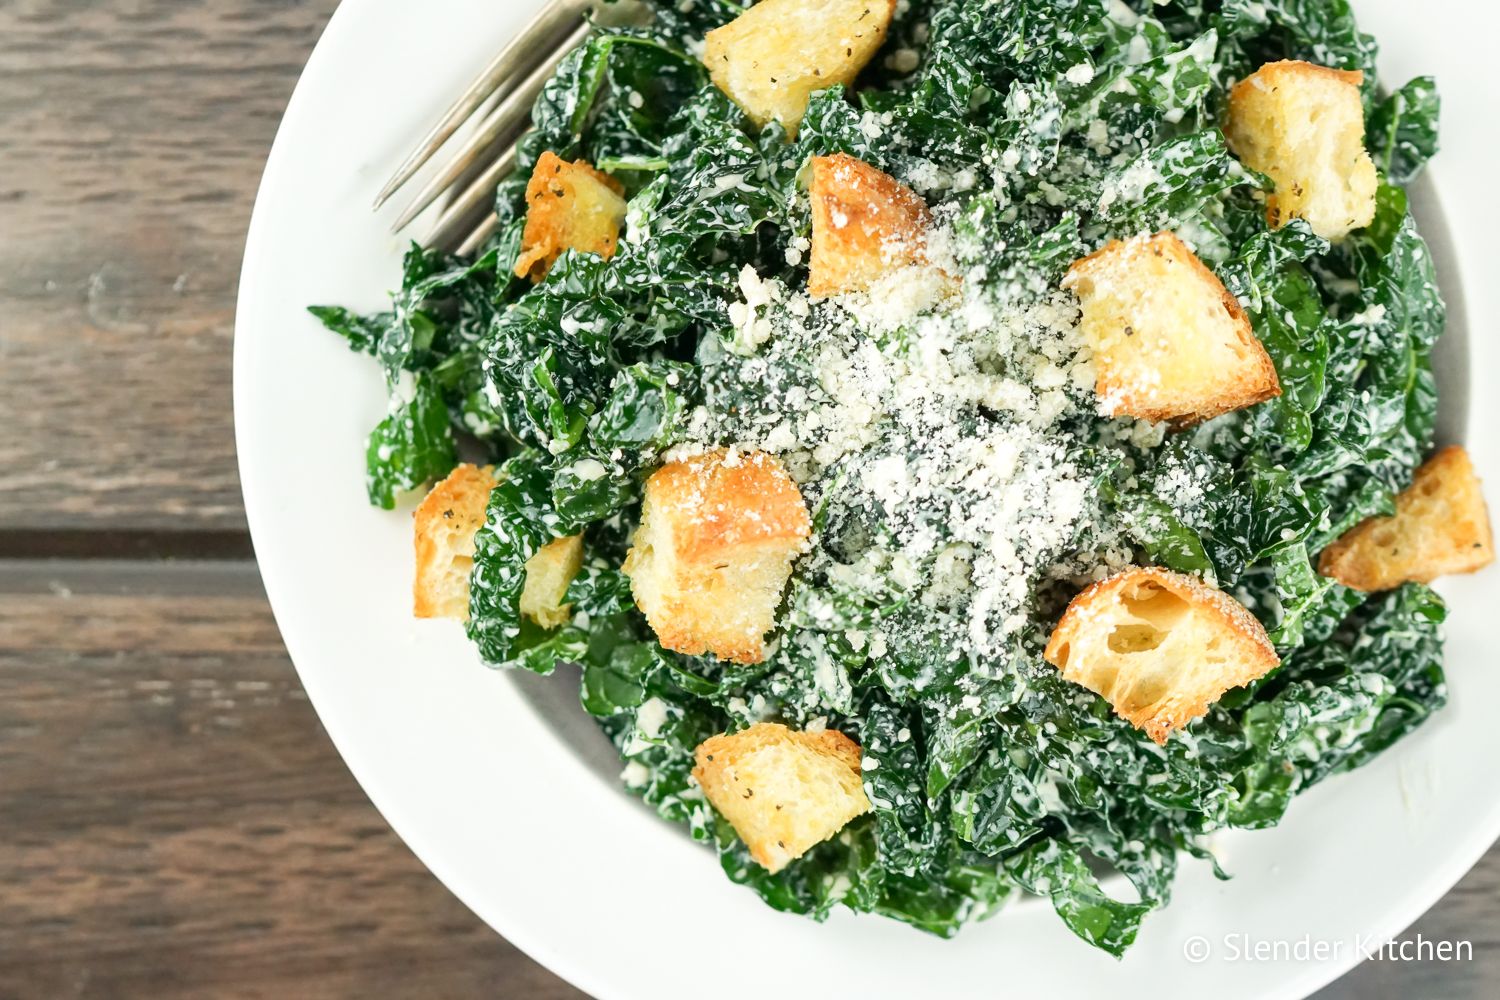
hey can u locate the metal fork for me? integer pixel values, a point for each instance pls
(508, 87)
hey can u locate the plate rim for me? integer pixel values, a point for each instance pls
(513, 925)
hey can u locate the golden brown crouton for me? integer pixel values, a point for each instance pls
(1304, 126)
(771, 58)
(714, 549)
(445, 525)
(548, 573)
(865, 224)
(783, 791)
(1441, 526)
(1160, 647)
(569, 206)
(1169, 341)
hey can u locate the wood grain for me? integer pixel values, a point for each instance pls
(132, 137)
(176, 824)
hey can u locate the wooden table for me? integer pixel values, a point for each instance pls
(173, 820)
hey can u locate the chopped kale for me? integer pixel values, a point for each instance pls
(1042, 128)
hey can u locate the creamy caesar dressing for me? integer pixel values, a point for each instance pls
(963, 476)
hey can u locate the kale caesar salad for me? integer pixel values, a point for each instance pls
(965, 447)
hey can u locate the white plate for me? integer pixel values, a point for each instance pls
(475, 776)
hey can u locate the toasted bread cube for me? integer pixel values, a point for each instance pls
(1441, 526)
(713, 552)
(569, 206)
(771, 58)
(865, 224)
(1304, 126)
(1169, 340)
(548, 573)
(445, 525)
(783, 791)
(1160, 647)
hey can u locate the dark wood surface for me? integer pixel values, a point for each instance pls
(173, 820)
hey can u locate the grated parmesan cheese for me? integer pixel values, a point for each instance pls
(936, 402)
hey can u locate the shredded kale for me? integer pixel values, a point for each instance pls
(993, 776)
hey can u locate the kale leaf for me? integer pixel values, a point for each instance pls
(1038, 129)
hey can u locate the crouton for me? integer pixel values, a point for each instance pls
(1160, 647)
(714, 549)
(865, 224)
(446, 522)
(771, 58)
(1304, 127)
(783, 791)
(1169, 341)
(569, 206)
(1441, 526)
(548, 573)
(445, 525)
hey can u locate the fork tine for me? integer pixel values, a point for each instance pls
(539, 35)
(482, 189)
(478, 236)
(502, 123)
